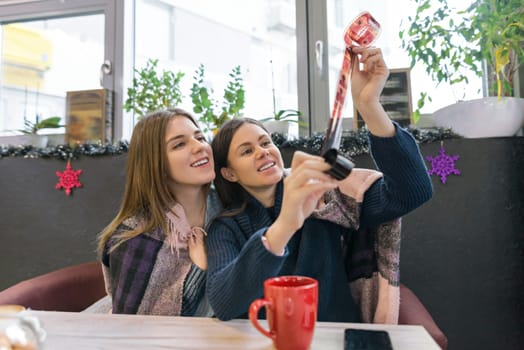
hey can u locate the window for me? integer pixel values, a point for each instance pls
(257, 35)
(390, 15)
(42, 60)
(48, 48)
(290, 53)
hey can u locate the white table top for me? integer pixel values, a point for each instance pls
(66, 331)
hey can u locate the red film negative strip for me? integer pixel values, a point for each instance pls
(362, 31)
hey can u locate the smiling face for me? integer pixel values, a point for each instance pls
(253, 161)
(189, 156)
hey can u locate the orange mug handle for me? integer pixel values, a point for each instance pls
(253, 316)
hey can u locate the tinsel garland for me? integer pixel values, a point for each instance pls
(65, 152)
(356, 142)
(353, 143)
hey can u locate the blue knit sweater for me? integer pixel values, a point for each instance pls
(238, 262)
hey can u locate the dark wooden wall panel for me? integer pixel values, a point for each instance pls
(463, 251)
(42, 229)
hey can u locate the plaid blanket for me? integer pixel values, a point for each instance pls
(143, 276)
(153, 274)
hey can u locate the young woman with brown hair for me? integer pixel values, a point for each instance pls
(278, 224)
(153, 251)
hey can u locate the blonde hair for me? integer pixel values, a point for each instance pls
(147, 195)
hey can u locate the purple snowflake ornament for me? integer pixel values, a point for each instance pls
(443, 165)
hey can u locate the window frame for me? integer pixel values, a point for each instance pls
(312, 71)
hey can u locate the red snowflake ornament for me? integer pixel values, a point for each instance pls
(68, 179)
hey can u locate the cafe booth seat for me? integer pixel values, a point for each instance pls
(72, 288)
(76, 287)
(413, 312)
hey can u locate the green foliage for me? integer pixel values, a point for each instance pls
(48, 123)
(284, 115)
(152, 90)
(205, 106)
(449, 43)
(234, 98)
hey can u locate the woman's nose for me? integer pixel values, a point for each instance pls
(198, 145)
(262, 152)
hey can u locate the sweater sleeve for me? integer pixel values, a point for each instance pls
(406, 183)
(237, 269)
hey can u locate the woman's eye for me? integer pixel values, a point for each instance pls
(201, 138)
(246, 151)
(266, 143)
(178, 145)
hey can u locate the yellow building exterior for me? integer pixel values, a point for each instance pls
(26, 55)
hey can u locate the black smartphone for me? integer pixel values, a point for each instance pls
(363, 339)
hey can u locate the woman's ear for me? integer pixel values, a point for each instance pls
(228, 174)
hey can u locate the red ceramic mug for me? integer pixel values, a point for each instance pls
(291, 304)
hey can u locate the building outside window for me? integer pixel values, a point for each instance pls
(42, 60)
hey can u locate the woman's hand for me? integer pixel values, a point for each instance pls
(303, 188)
(367, 84)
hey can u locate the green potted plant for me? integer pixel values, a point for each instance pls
(152, 90)
(450, 43)
(31, 129)
(280, 120)
(206, 107)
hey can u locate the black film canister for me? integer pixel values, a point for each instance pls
(340, 166)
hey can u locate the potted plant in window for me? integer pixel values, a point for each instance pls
(279, 122)
(152, 90)
(205, 106)
(449, 43)
(31, 130)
